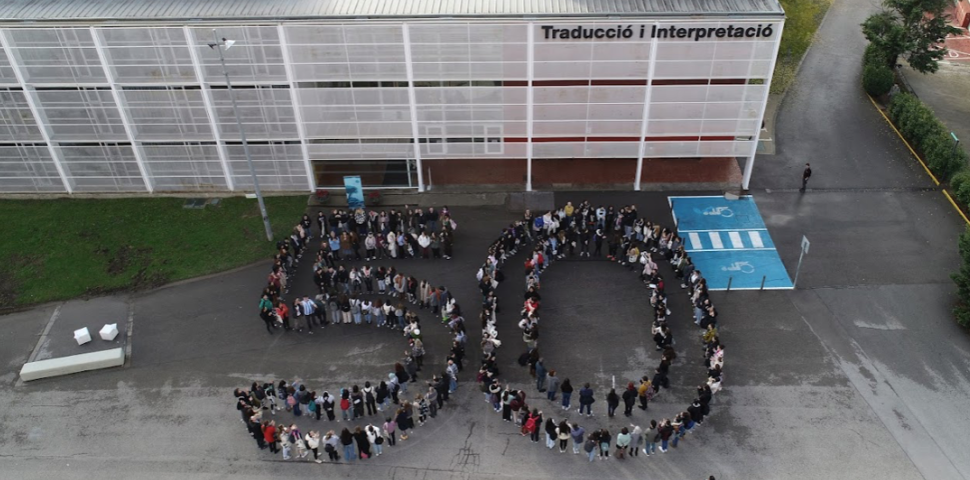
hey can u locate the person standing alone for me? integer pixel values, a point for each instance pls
(805, 176)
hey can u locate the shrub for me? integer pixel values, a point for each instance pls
(920, 127)
(918, 124)
(962, 279)
(900, 104)
(875, 56)
(960, 186)
(877, 79)
(940, 155)
(962, 312)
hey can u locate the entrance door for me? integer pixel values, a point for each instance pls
(373, 173)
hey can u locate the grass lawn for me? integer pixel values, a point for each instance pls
(64, 248)
(804, 17)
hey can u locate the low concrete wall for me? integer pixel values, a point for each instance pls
(73, 364)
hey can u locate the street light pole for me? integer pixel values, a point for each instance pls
(242, 134)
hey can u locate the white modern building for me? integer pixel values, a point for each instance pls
(127, 96)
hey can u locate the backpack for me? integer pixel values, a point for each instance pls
(530, 424)
(538, 222)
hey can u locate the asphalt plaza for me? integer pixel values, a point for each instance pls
(859, 373)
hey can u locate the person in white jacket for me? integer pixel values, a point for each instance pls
(424, 241)
(313, 443)
(376, 439)
(370, 244)
(392, 244)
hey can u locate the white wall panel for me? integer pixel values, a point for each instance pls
(175, 167)
(28, 168)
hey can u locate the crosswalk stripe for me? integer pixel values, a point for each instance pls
(695, 240)
(716, 239)
(756, 239)
(736, 239)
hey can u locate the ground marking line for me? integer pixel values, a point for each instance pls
(40, 341)
(724, 230)
(695, 240)
(766, 249)
(716, 240)
(756, 239)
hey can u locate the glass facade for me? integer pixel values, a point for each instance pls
(123, 109)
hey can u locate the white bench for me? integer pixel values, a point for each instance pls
(73, 364)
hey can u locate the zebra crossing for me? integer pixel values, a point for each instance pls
(707, 240)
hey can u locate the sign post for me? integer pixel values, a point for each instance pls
(805, 245)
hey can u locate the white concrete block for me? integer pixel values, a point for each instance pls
(109, 331)
(53, 367)
(82, 336)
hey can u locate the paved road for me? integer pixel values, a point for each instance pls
(858, 374)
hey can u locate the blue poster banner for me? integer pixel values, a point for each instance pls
(355, 192)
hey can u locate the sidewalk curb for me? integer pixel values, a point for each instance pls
(921, 162)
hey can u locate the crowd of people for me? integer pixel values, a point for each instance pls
(340, 297)
(354, 296)
(388, 400)
(636, 244)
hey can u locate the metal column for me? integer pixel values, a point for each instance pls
(35, 110)
(529, 99)
(413, 104)
(644, 127)
(122, 110)
(749, 165)
(295, 101)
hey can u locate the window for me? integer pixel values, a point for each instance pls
(493, 139)
(435, 138)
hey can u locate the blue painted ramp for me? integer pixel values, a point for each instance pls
(728, 241)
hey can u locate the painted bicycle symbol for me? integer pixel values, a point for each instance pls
(717, 211)
(743, 267)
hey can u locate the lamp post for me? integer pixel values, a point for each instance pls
(217, 45)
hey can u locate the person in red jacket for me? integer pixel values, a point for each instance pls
(284, 313)
(269, 435)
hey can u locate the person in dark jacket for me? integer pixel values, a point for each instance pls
(660, 380)
(629, 399)
(347, 440)
(363, 445)
(666, 430)
(586, 400)
(567, 392)
(612, 402)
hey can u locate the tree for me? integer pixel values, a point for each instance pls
(913, 29)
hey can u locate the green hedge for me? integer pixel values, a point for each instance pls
(960, 186)
(962, 279)
(877, 76)
(924, 132)
(875, 56)
(877, 79)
